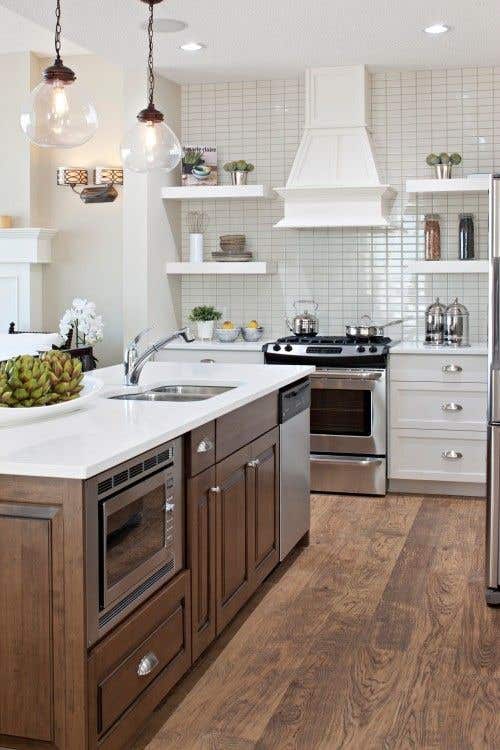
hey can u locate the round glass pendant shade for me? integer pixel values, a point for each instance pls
(59, 114)
(149, 146)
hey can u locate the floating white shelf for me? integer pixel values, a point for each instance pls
(447, 266)
(250, 268)
(455, 185)
(209, 192)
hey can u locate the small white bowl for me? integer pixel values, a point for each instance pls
(252, 334)
(227, 335)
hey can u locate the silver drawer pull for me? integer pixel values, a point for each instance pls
(204, 446)
(452, 407)
(253, 464)
(215, 490)
(452, 368)
(169, 507)
(452, 455)
(147, 664)
(208, 361)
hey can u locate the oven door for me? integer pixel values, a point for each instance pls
(137, 536)
(348, 412)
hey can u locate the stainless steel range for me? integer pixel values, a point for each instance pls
(348, 409)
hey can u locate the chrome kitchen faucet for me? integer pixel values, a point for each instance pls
(133, 362)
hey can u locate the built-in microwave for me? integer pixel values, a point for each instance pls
(134, 534)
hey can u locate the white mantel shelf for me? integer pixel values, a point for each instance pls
(250, 268)
(26, 245)
(446, 266)
(209, 192)
(454, 185)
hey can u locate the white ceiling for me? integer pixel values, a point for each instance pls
(266, 38)
(17, 34)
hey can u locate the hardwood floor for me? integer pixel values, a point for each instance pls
(375, 636)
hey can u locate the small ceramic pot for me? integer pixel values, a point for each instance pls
(239, 178)
(205, 330)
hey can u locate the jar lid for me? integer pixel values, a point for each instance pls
(466, 216)
(457, 309)
(432, 217)
(436, 307)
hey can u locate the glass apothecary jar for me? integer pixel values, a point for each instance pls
(466, 237)
(432, 237)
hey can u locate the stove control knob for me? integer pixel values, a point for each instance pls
(373, 349)
(288, 348)
(276, 347)
(361, 349)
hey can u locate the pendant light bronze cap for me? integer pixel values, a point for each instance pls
(59, 72)
(150, 114)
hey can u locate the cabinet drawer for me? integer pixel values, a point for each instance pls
(433, 406)
(437, 456)
(200, 451)
(132, 670)
(241, 426)
(449, 368)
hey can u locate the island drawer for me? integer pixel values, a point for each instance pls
(133, 669)
(240, 427)
(200, 449)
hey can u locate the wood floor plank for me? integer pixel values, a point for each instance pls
(376, 636)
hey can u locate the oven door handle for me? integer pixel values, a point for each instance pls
(347, 374)
(346, 460)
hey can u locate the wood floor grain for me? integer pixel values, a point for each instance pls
(375, 636)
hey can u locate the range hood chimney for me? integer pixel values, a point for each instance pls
(334, 181)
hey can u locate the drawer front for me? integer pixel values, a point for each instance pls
(437, 456)
(241, 426)
(433, 406)
(439, 368)
(200, 449)
(198, 355)
(133, 668)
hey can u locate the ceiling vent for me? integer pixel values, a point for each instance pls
(334, 181)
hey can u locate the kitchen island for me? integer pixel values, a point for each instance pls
(94, 630)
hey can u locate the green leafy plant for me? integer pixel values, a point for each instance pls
(204, 313)
(239, 166)
(451, 159)
(193, 157)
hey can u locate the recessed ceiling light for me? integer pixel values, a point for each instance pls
(437, 28)
(192, 46)
(166, 25)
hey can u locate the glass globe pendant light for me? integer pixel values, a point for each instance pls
(150, 144)
(58, 114)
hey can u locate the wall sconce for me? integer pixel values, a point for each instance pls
(101, 191)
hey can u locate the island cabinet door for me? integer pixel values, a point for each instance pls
(201, 556)
(264, 486)
(235, 537)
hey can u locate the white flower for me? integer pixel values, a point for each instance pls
(82, 317)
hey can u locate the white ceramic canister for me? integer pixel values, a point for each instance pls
(195, 247)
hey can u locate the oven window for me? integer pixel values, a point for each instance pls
(341, 412)
(135, 533)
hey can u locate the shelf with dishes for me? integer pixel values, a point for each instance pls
(446, 266)
(210, 192)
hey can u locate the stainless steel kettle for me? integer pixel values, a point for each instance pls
(304, 323)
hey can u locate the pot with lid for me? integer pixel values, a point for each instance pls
(304, 323)
(456, 324)
(434, 323)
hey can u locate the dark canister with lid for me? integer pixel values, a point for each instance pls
(466, 237)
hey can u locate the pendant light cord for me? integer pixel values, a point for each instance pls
(58, 31)
(151, 75)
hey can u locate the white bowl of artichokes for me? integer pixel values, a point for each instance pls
(41, 387)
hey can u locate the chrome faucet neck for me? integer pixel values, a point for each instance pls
(133, 362)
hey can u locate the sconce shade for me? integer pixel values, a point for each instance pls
(72, 176)
(108, 176)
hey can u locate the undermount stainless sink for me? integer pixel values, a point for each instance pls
(176, 393)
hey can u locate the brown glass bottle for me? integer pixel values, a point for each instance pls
(432, 237)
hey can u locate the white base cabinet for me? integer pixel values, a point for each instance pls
(437, 418)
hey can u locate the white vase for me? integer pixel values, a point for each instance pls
(195, 247)
(205, 330)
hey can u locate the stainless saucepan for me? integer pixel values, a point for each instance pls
(366, 329)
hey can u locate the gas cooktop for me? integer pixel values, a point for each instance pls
(330, 351)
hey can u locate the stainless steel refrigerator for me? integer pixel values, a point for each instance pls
(493, 505)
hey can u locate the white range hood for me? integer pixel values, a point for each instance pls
(334, 181)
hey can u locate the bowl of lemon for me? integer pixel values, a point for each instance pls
(227, 332)
(252, 331)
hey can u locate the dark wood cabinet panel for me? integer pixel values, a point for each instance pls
(264, 482)
(240, 427)
(234, 536)
(200, 452)
(201, 557)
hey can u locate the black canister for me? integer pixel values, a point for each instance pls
(466, 237)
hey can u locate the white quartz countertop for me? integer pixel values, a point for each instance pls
(84, 443)
(448, 351)
(239, 345)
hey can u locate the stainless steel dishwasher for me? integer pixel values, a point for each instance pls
(294, 409)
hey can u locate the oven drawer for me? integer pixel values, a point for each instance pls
(132, 670)
(438, 456)
(433, 406)
(449, 368)
(360, 475)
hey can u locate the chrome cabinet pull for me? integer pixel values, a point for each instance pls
(147, 664)
(215, 490)
(452, 369)
(452, 407)
(452, 455)
(204, 446)
(253, 464)
(208, 361)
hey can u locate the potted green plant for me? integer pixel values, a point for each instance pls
(239, 171)
(204, 316)
(443, 164)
